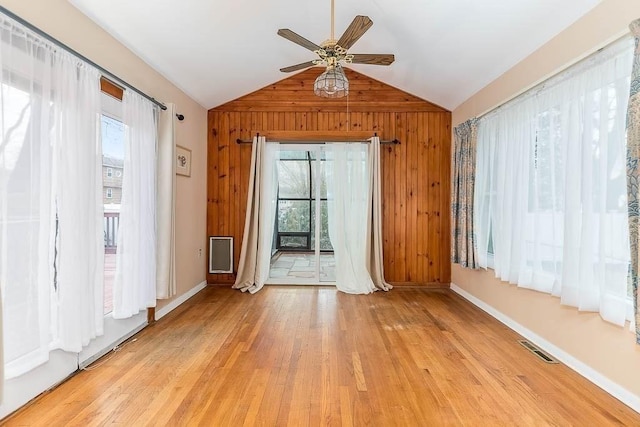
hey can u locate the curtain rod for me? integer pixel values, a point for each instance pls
(540, 84)
(117, 80)
(391, 142)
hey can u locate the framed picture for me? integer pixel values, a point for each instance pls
(183, 161)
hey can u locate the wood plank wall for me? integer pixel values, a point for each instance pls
(415, 174)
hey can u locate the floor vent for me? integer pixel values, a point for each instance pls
(535, 350)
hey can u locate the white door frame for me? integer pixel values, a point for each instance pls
(311, 147)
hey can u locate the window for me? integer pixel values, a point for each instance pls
(49, 212)
(551, 186)
(302, 250)
(109, 172)
(296, 202)
(112, 131)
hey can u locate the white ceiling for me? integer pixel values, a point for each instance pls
(446, 50)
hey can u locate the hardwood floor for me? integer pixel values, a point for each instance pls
(312, 356)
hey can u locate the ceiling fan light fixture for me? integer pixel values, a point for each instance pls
(332, 83)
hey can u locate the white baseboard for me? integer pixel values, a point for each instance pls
(614, 389)
(116, 331)
(178, 301)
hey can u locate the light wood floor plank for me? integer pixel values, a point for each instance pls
(313, 356)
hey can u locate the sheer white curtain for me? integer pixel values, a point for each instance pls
(268, 206)
(26, 199)
(551, 188)
(50, 225)
(349, 200)
(1, 353)
(134, 288)
(262, 200)
(78, 189)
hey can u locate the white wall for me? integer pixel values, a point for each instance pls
(604, 349)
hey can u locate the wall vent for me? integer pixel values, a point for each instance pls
(535, 350)
(220, 255)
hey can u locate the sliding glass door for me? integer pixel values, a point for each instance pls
(302, 251)
(113, 156)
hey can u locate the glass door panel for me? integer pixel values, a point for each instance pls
(303, 251)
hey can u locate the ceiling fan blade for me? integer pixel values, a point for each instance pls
(298, 39)
(297, 67)
(356, 29)
(373, 58)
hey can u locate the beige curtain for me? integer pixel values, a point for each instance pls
(376, 265)
(249, 252)
(166, 209)
(257, 240)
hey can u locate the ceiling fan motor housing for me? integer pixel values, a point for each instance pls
(331, 54)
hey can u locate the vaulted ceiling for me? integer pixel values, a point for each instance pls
(445, 50)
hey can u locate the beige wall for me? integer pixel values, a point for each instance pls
(63, 21)
(608, 349)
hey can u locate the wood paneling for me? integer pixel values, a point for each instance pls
(298, 356)
(295, 94)
(108, 87)
(415, 173)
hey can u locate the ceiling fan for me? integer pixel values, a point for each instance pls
(332, 52)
